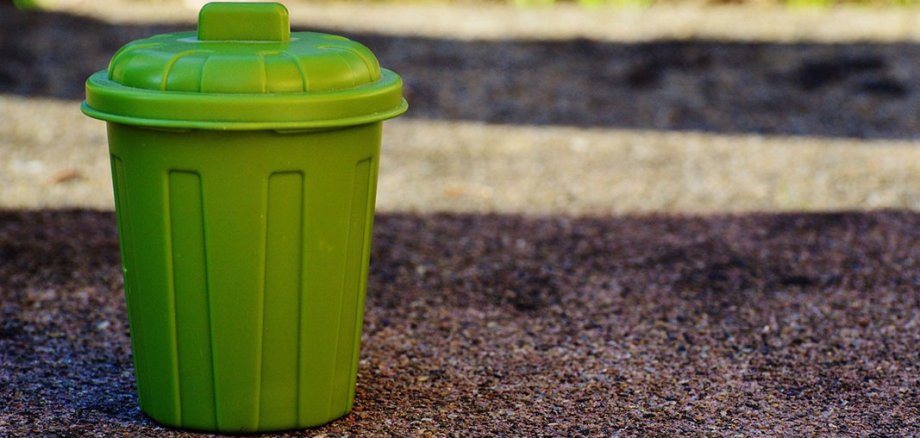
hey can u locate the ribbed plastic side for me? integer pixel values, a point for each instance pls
(246, 269)
(282, 307)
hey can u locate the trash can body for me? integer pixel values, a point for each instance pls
(245, 258)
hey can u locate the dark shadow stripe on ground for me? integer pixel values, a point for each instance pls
(780, 324)
(863, 90)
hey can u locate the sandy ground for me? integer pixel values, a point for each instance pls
(493, 21)
(473, 167)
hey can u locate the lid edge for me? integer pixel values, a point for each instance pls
(110, 101)
(243, 126)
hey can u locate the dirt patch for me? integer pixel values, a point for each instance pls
(793, 324)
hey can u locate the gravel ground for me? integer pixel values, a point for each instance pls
(772, 325)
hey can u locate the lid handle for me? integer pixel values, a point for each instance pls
(244, 22)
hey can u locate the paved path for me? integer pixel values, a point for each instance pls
(472, 167)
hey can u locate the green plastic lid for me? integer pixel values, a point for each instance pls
(244, 69)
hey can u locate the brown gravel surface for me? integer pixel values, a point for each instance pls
(789, 325)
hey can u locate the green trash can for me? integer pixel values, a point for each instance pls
(244, 161)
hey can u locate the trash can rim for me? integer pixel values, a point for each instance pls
(372, 102)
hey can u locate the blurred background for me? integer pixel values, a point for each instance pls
(598, 218)
(541, 107)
